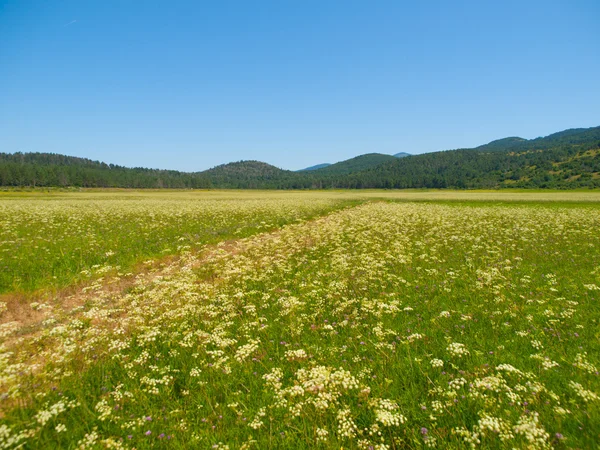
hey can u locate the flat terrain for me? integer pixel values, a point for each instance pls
(354, 319)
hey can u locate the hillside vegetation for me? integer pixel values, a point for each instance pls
(356, 164)
(249, 175)
(49, 169)
(565, 160)
(315, 167)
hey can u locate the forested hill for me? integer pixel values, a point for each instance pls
(356, 164)
(574, 136)
(315, 167)
(251, 175)
(49, 169)
(564, 160)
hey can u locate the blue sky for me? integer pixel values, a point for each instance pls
(189, 85)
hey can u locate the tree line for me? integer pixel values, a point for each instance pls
(566, 160)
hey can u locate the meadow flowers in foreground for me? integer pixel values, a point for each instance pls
(386, 325)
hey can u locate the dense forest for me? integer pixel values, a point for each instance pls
(48, 169)
(565, 160)
(357, 164)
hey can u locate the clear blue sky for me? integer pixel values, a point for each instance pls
(189, 85)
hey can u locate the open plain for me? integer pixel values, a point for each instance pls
(328, 319)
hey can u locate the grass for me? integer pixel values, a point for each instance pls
(57, 239)
(384, 325)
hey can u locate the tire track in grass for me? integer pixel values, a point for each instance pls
(26, 328)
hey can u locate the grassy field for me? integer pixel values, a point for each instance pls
(353, 320)
(56, 239)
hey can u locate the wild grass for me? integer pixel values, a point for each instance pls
(56, 239)
(384, 325)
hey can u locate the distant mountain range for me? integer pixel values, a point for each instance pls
(565, 160)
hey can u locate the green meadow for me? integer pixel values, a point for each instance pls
(329, 319)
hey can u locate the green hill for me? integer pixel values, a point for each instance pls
(501, 144)
(50, 169)
(574, 136)
(356, 164)
(565, 160)
(315, 167)
(252, 175)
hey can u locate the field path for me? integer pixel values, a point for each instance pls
(27, 323)
(21, 318)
